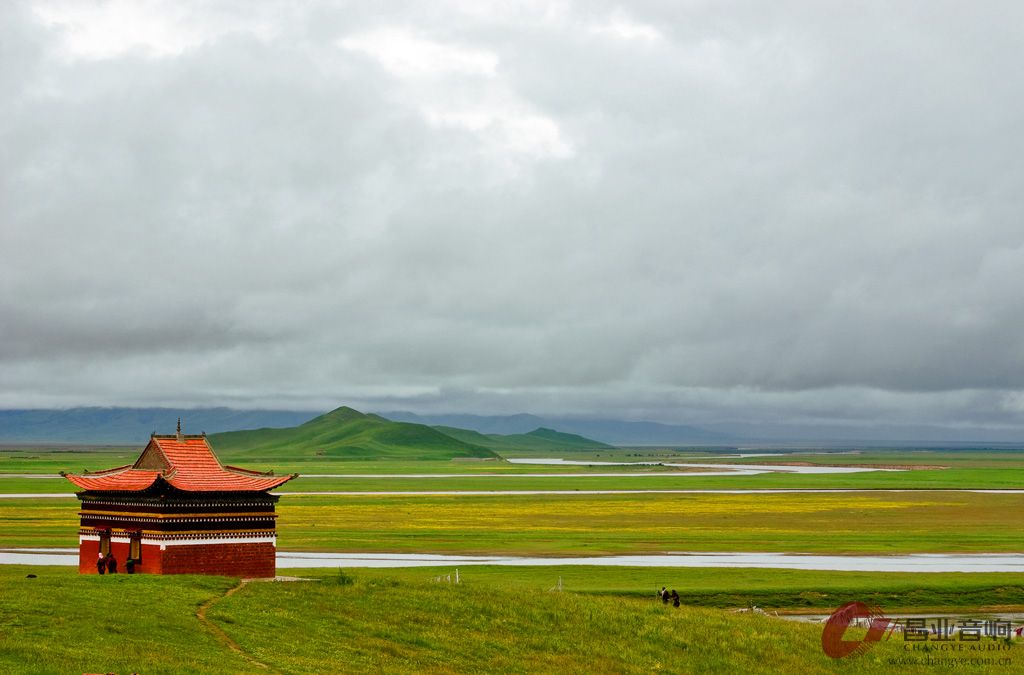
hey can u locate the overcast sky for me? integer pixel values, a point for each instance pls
(679, 211)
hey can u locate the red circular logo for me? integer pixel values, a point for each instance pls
(832, 641)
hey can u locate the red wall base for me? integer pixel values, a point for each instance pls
(233, 560)
(248, 560)
(88, 551)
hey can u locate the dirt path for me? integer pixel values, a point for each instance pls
(219, 633)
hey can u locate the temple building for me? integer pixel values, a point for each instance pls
(178, 510)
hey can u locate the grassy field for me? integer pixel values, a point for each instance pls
(960, 470)
(954, 479)
(980, 458)
(617, 524)
(39, 522)
(52, 460)
(39, 460)
(868, 522)
(61, 622)
(504, 618)
(863, 522)
(784, 591)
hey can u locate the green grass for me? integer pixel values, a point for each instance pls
(61, 622)
(51, 460)
(871, 522)
(39, 522)
(961, 476)
(46, 461)
(382, 624)
(618, 524)
(787, 591)
(980, 458)
(503, 619)
(911, 480)
(33, 485)
(975, 469)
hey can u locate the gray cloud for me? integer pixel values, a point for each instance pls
(682, 211)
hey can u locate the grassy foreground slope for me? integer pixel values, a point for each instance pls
(346, 434)
(61, 622)
(547, 440)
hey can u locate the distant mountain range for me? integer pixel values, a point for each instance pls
(133, 426)
(627, 433)
(615, 432)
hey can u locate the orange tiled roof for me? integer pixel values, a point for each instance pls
(186, 462)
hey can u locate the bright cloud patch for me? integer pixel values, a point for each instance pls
(407, 55)
(109, 28)
(458, 87)
(621, 27)
(518, 132)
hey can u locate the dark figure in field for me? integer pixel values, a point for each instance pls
(129, 565)
(111, 564)
(664, 595)
(101, 564)
(675, 598)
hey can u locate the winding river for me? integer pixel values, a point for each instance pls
(977, 562)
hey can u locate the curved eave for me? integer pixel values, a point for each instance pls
(230, 483)
(119, 482)
(141, 481)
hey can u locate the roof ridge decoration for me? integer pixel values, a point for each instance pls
(152, 448)
(105, 472)
(248, 472)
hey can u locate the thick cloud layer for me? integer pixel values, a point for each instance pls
(679, 211)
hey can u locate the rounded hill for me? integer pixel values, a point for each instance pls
(345, 433)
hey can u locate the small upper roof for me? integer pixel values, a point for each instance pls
(186, 463)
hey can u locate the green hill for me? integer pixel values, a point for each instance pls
(538, 439)
(347, 434)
